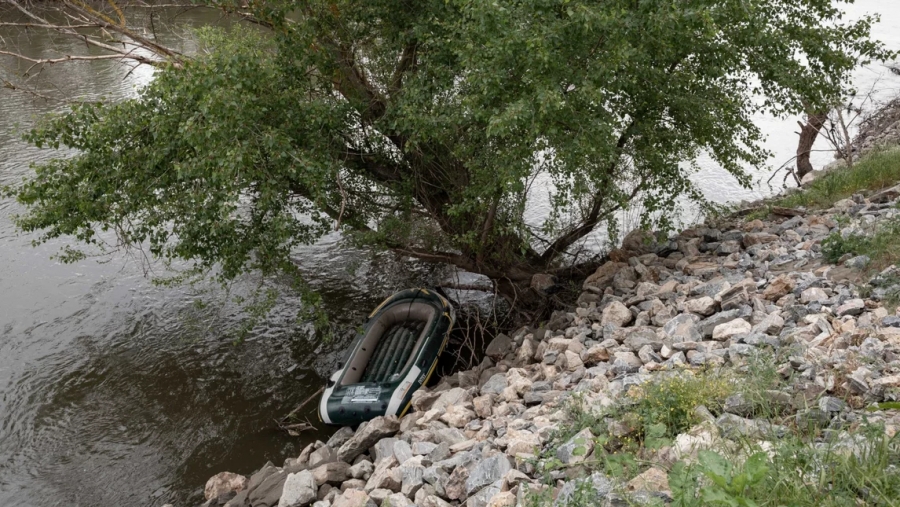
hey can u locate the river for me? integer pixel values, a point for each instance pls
(114, 391)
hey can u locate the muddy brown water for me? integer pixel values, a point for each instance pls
(117, 392)
(114, 391)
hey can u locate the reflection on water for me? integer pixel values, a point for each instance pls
(114, 391)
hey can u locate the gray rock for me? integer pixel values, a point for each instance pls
(449, 436)
(499, 347)
(487, 471)
(269, 491)
(737, 295)
(704, 306)
(353, 498)
(365, 437)
(411, 478)
(616, 314)
(440, 452)
(577, 448)
(736, 427)
(711, 288)
(402, 451)
(858, 262)
(483, 497)
(495, 385)
(706, 326)
(384, 449)
(831, 404)
(423, 448)
(683, 328)
(340, 437)
(362, 470)
(332, 473)
(639, 338)
(728, 330)
(599, 486)
(398, 500)
(321, 456)
(299, 489)
(891, 321)
(851, 307)
(737, 404)
(772, 324)
(813, 294)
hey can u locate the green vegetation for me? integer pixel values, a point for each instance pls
(421, 127)
(874, 172)
(880, 245)
(807, 467)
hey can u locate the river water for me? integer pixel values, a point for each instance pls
(114, 391)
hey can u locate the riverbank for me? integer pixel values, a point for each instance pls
(759, 357)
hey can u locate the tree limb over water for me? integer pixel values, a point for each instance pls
(421, 127)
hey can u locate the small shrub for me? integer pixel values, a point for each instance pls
(671, 400)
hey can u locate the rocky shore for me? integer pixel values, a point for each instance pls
(711, 298)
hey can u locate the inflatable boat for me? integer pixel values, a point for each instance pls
(394, 355)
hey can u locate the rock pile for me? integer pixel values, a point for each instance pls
(713, 297)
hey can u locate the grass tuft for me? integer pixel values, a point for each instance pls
(874, 172)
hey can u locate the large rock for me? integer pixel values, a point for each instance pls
(457, 416)
(704, 306)
(320, 456)
(398, 500)
(487, 471)
(603, 277)
(365, 437)
(495, 385)
(332, 473)
(223, 482)
(731, 329)
(616, 314)
(851, 307)
(362, 470)
(813, 295)
(591, 490)
(780, 287)
(771, 325)
(653, 480)
(385, 476)
(757, 238)
(455, 484)
(499, 347)
(737, 295)
(521, 442)
(595, 354)
(411, 478)
(577, 448)
(299, 489)
(683, 328)
(353, 498)
(483, 497)
(340, 437)
(706, 326)
(268, 493)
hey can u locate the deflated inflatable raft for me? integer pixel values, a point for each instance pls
(395, 354)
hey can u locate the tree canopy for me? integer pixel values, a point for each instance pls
(422, 126)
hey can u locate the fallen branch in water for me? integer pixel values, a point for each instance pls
(292, 413)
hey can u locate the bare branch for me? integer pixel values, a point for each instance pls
(67, 58)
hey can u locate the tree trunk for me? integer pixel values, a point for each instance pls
(808, 133)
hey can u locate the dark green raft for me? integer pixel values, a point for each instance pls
(394, 355)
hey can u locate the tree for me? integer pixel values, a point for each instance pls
(422, 127)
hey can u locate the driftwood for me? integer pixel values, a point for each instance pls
(786, 212)
(294, 429)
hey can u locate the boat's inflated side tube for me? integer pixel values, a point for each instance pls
(394, 355)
